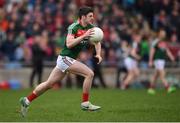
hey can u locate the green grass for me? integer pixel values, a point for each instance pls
(64, 105)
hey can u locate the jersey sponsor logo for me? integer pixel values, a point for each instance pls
(66, 61)
(80, 32)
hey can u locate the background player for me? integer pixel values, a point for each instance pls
(158, 54)
(131, 62)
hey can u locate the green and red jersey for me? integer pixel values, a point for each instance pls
(77, 30)
(160, 49)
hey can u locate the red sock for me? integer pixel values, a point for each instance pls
(166, 86)
(152, 85)
(125, 85)
(85, 97)
(31, 97)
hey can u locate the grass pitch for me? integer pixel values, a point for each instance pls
(64, 105)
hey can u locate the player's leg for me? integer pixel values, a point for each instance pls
(136, 73)
(163, 79)
(55, 76)
(81, 69)
(155, 76)
(120, 71)
(160, 67)
(130, 65)
(165, 82)
(152, 82)
(162, 73)
(127, 80)
(154, 79)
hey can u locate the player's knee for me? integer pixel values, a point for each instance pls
(136, 73)
(90, 74)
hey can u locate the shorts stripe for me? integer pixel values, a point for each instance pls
(66, 61)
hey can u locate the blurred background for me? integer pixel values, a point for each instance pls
(32, 34)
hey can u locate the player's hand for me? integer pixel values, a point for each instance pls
(173, 59)
(88, 33)
(150, 63)
(99, 58)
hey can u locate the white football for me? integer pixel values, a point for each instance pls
(97, 35)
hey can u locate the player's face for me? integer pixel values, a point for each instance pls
(89, 18)
(137, 38)
(162, 34)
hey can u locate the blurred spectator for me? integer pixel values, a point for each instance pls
(97, 68)
(144, 52)
(174, 46)
(2, 36)
(2, 2)
(3, 20)
(112, 60)
(38, 54)
(8, 47)
(19, 53)
(161, 20)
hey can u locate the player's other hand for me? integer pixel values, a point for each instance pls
(99, 58)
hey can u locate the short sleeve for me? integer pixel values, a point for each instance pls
(154, 43)
(134, 45)
(71, 31)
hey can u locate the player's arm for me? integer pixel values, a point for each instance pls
(134, 54)
(151, 56)
(152, 51)
(71, 41)
(98, 51)
(170, 55)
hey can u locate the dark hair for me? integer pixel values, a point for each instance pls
(84, 11)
